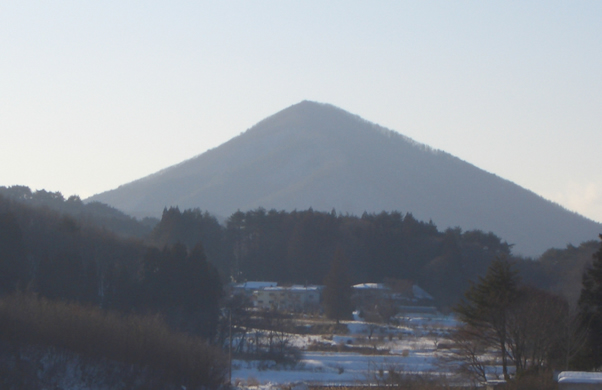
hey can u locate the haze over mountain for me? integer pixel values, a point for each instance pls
(316, 155)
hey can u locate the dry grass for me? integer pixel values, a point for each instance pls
(542, 380)
(143, 341)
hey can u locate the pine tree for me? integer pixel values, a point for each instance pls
(337, 289)
(487, 304)
(590, 306)
(183, 286)
(13, 266)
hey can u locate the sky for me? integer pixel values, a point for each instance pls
(97, 94)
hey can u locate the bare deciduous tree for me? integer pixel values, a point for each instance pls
(534, 328)
(468, 355)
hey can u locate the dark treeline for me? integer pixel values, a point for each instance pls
(560, 271)
(58, 257)
(72, 253)
(299, 246)
(87, 214)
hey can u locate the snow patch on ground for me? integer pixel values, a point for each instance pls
(410, 348)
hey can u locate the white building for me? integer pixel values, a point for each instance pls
(293, 298)
(249, 288)
(405, 293)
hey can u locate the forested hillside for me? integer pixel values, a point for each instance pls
(82, 304)
(65, 255)
(61, 258)
(87, 214)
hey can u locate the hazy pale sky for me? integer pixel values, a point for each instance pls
(96, 94)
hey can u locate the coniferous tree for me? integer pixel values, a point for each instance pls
(184, 287)
(487, 305)
(13, 266)
(445, 272)
(590, 306)
(337, 289)
(201, 291)
(66, 277)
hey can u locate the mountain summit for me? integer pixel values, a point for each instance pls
(317, 155)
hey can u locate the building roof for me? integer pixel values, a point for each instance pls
(370, 286)
(420, 293)
(294, 288)
(256, 285)
(580, 377)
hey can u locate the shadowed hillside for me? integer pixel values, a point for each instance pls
(316, 155)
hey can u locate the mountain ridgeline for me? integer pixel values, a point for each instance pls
(316, 155)
(87, 214)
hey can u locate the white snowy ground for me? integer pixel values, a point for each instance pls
(412, 349)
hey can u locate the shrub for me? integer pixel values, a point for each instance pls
(533, 380)
(144, 341)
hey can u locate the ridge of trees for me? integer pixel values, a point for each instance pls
(57, 257)
(290, 247)
(564, 268)
(299, 246)
(86, 214)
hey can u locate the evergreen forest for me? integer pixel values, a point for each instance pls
(95, 254)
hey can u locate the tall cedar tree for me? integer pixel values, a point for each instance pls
(487, 305)
(13, 266)
(590, 306)
(337, 289)
(184, 286)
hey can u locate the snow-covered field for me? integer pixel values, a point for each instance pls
(410, 347)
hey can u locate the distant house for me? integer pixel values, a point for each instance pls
(292, 298)
(400, 293)
(366, 294)
(249, 288)
(578, 380)
(420, 294)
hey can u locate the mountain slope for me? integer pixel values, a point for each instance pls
(316, 155)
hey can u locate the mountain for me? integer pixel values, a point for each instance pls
(316, 155)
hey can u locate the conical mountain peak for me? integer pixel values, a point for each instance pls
(317, 155)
